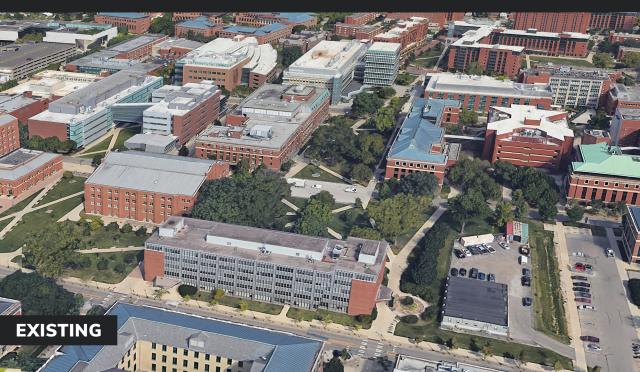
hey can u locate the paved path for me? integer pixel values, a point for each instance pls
(342, 209)
(290, 204)
(334, 233)
(357, 125)
(109, 250)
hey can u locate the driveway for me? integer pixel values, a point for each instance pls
(336, 189)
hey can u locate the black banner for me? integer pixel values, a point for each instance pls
(59, 330)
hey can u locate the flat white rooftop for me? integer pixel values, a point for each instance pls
(329, 55)
(552, 123)
(380, 46)
(473, 84)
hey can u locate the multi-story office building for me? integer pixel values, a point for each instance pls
(570, 44)
(330, 65)
(229, 63)
(631, 233)
(52, 84)
(157, 339)
(19, 61)
(622, 37)
(478, 93)
(182, 111)
(573, 86)
(134, 23)
(22, 106)
(360, 18)
(441, 19)
(267, 265)
(382, 61)
(619, 21)
(268, 34)
(604, 172)
(263, 19)
(411, 34)
(81, 34)
(622, 96)
(202, 26)
(86, 114)
(593, 136)
(526, 136)
(359, 32)
(268, 127)
(625, 127)
(148, 187)
(9, 133)
(174, 48)
(552, 21)
(9, 307)
(24, 172)
(183, 16)
(305, 39)
(419, 145)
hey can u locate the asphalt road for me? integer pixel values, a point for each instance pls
(611, 322)
(336, 189)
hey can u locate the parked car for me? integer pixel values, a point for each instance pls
(593, 347)
(586, 307)
(526, 281)
(579, 266)
(526, 272)
(467, 253)
(473, 273)
(350, 189)
(578, 254)
(462, 272)
(523, 260)
(505, 245)
(491, 277)
(582, 294)
(491, 250)
(589, 339)
(459, 253)
(454, 272)
(579, 277)
(583, 300)
(482, 276)
(526, 301)
(610, 253)
(524, 250)
(581, 289)
(316, 186)
(581, 284)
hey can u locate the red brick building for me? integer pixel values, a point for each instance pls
(552, 21)
(268, 127)
(23, 106)
(440, 18)
(24, 172)
(625, 127)
(135, 23)
(268, 34)
(263, 19)
(526, 136)
(202, 26)
(568, 44)
(624, 50)
(183, 16)
(622, 96)
(359, 18)
(9, 134)
(147, 187)
(604, 172)
(359, 32)
(173, 49)
(621, 37)
(497, 59)
(410, 34)
(593, 136)
(618, 21)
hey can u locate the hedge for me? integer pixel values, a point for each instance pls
(187, 290)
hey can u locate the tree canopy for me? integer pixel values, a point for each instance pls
(603, 60)
(290, 55)
(39, 295)
(468, 205)
(366, 104)
(245, 199)
(470, 174)
(395, 215)
(49, 144)
(314, 218)
(418, 184)
(163, 25)
(468, 117)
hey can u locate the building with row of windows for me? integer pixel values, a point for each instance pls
(305, 39)
(159, 340)
(358, 31)
(9, 307)
(134, 23)
(267, 34)
(479, 93)
(631, 233)
(19, 61)
(257, 19)
(382, 61)
(574, 21)
(411, 34)
(268, 127)
(360, 18)
(270, 266)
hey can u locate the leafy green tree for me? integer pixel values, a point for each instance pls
(218, 293)
(297, 28)
(97, 159)
(631, 59)
(163, 25)
(547, 205)
(503, 213)
(102, 264)
(49, 250)
(184, 151)
(126, 228)
(471, 174)
(290, 55)
(39, 295)
(365, 104)
(474, 68)
(603, 60)
(405, 79)
(468, 205)
(365, 233)
(243, 167)
(385, 92)
(361, 173)
(395, 215)
(385, 119)
(468, 117)
(314, 218)
(520, 204)
(324, 197)
(600, 120)
(334, 365)
(575, 212)
(370, 147)
(243, 306)
(419, 184)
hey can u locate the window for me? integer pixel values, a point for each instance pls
(185, 363)
(153, 356)
(175, 350)
(218, 359)
(186, 352)
(164, 347)
(175, 361)
(153, 345)
(195, 365)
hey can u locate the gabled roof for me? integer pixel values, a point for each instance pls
(199, 22)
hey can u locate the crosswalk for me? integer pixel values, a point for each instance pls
(374, 349)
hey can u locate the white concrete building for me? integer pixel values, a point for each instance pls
(82, 35)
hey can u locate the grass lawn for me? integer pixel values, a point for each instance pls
(20, 206)
(330, 317)
(124, 135)
(548, 309)
(104, 238)
(128, 261)
(261, 307)
(344, 227)
(16, 237)
(4, 223)
(402, 239)
(306, 172)
(65, 187)
(298, 202)
(102, 146)
(561, 61)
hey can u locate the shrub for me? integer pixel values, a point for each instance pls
(634, 289)
(286, 165)
(102, 264)
(187, 290)
(407, 301)
(141, 231)
(120, 268)
(113, 226)
(126, 228)
(67, 174)
(409, 319)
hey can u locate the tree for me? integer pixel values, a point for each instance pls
(286, 166)
(162, 25)
(243, 167)
(474, 68)
(334, 365)
(187, 290)
(102, 264)
(631, 59)
(50, 250)
(385, 119)
(218, 293)
(385, 92)
(365, 104)
(575, 212)
(365, 233)
(324, 197)
(468, 117)
(243, 306)
(468, 205)
(520, 204)
(159, 293)
(603, 60)
(184, 151)
(419, 184)
(395, 215)
(600, 120)
(39, 295)
(314, 218)
(557, 366)
(297, 28)
(120, 268)
(290, 55)
(503, 213)
(97, 159)
(547, 205)
(471, 174)
(361, 173)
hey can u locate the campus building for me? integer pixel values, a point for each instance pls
(25, 172)
(202, 26)
(622, 96)
(155, 143)
(360, 18)
(625, 127)
(272, 266)
(19, 61)
(263, 19)
(411, 34)
(356, 31)
(621, 37)
(593, 136)
(81, 34)
(144, 186)
(441, 19)
(631, 233)
(552, 21)
(9, 133)
(419, 145)
(22, 106)
(618, 21)
(183, 16)
(173, 49)
(382, 61)
(9, 307)
(478, 93)
(86, 114)
(476, 306)
(228, 63)
(157, 339)
(182, 111)
(305, 39)
(573, 86)
(268, 127)
(329, 64)
(135, 23)
(604, 172)
(52, 84)
(526, 136)
(626, 50)
(268, 34)
(557, 44)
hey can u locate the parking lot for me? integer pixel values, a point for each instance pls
(505, 265)
(338, 190)
(611, 321)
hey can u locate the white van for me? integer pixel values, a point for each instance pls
(524, 260)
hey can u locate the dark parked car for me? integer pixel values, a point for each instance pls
(526, 301)
(491, 277)
(589, 338)
(581, 289)
(462, 272)
(582, 294)
(524, 251)
(581, 284)
(579, 277)
(482, 276)
(526, 272)
(473, 273)
(526, 281)
(583, 300)
(454, 272)
(459, 253)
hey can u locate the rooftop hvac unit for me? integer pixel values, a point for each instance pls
(337, 251)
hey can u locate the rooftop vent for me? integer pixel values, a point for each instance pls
(337, 251)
